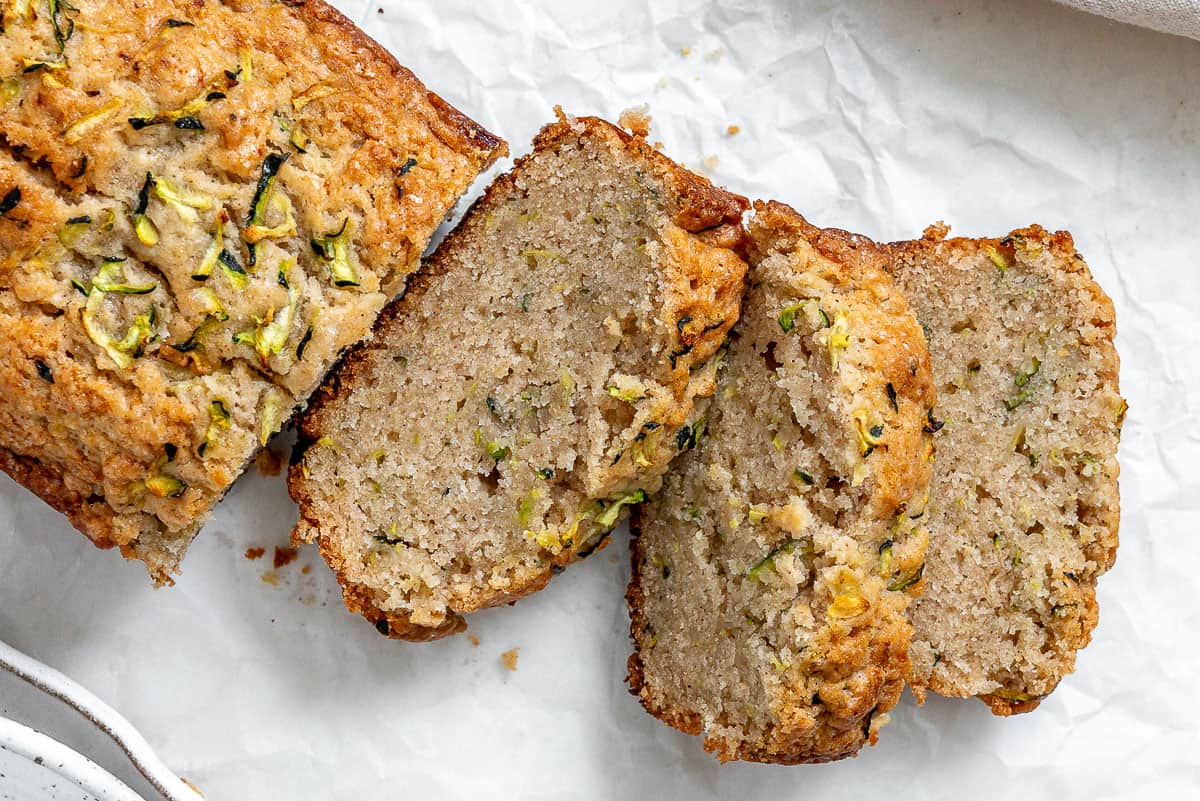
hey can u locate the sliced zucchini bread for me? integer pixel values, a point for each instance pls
(536, 379)
(1025, 502)
(201, 206)
(771, 573)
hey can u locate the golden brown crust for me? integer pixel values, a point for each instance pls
(704, 309)
(1071, 631)
(70, 150)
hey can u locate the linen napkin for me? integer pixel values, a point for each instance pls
(1181, 17)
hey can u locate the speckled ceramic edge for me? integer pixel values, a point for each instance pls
(56, 758)
(103, 717)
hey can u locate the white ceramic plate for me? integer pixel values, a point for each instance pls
(34, 767)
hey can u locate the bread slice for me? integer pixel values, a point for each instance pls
(771, 574)
(535, 380)
(204, 204)
(1025, 502)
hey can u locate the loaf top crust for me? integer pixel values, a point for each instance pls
(203, 205)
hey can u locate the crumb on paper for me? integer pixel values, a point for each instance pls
(685, 51)
(710, 162)
(733, 130)
(509, 658)
(255, 553)
(270, 577)
(657, 145)
(284, 556)
(306, 569)
(473, 640)
(636, 120)
(268, 462)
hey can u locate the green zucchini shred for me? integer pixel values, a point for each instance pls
(334, 249)
(787, 317)
(768, 562)
(902, 583)
(611, 509)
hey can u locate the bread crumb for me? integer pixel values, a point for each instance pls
(284, 556)
(509, 658)
(733, 130)
(270, 577)
(255, 553)
(268, 462)
(306, 569)
(685, 51)
(474, 640)
(636, 120)
(709, 162)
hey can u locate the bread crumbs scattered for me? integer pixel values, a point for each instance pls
(284, 556)
(270, 577)
(255, 553)
(474, 640)
(733, 130)
(268, 462)
(710, 162)
(509, 658)
(685, 51)
(306, 569)
(636, 120)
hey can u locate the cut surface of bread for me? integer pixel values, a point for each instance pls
(534, 381)
(203, 205)
(771, 573)
(1025, 506)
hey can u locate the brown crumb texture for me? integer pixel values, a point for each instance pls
(255, 553)
(509, 658)
(203, 205)
(284, 556)
(535, 380)
(1025, 504)
(771, 574)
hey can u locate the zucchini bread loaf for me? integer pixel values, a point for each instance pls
(535, 380)
(1025, 502)
(202, 206)
(771, 574)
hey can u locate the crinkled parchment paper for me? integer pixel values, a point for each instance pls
(877, 117)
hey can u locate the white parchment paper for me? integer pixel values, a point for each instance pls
(876, 117)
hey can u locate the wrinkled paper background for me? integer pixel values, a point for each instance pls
(876, 117)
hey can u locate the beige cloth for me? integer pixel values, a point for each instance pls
(1180, 17)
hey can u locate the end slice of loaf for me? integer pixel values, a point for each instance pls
(535, 380)
(1025, 502)
(203, 205)
(771, 574)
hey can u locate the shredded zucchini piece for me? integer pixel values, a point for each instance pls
(608, 517)
(84, 126)
(184, 201)
(334, 248)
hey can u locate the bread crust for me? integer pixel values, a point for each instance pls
(67, 152)
(698, 207)
(862, 671)
(1069, 632)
